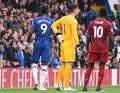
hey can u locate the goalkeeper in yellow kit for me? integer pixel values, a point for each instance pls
(68, 39)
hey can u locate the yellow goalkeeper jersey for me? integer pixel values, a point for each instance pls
(68, 25)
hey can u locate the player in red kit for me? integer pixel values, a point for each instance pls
(99, 33)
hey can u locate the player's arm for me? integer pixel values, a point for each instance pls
(55, 26)
(111, 47)
(88, 42)
(74, 32)
(88, 36)
(111, 41)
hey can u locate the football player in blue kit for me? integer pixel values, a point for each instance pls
(42, 28)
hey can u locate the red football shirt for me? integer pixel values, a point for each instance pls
(99, 30)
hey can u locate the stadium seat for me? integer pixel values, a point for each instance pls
(96, 8)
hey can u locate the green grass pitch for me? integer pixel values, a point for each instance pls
(107, 89)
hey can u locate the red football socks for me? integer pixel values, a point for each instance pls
(87, 75)
(100, 75)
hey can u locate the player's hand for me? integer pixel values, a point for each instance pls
(86, 51)
(60, 38)
(111, 53)
(79, 50)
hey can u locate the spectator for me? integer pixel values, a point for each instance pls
(1, 60)
(12, 57)
(115, 9)
(84, 5)
(21, 56)
(55, 16)
(30, 6)
(117, 51)
(1, 25)
(63, 5)
(22, 41)
(116, 26)
(12, 52)
(56, 61)
(27, 56)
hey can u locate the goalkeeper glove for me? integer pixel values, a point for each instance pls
(60, 37)
(79, 50)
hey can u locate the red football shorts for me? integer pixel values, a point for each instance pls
(95, 57)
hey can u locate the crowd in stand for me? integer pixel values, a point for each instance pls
(16, 41)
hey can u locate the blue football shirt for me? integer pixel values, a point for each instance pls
(42, 27)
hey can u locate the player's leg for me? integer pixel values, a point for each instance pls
(87, 75)
(92, 58)
(35, 73)
(60, 73)
(100, 75)
(103, 59)
(35, 59)
(45, 57)
(69, 59)
(59, 76)
(68, 68)
(43, 75)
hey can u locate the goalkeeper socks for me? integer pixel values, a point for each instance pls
(35, 73)
(87, 75)
(100, 75)
(67, 76)
(43, 75)
(60, 73)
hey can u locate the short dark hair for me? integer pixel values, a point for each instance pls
(103, 12)
(115, 6)
(72, 6)
(44, 9)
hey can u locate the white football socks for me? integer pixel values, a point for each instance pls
(35, 72)
(43, 75)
